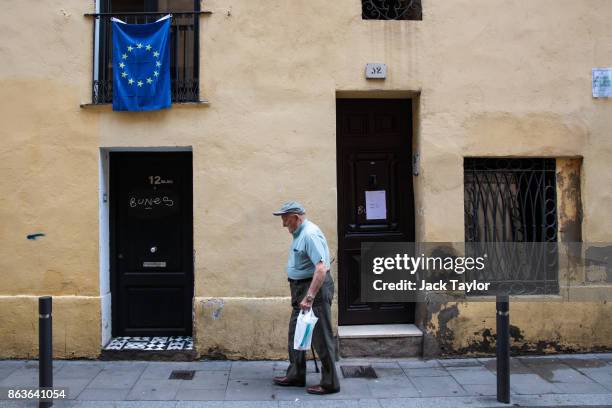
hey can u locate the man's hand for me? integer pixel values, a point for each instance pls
(317, 280)
(306, 303)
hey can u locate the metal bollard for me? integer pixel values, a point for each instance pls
(45, 347)
(503, 349)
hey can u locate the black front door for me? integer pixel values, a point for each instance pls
(151, 243)
(375, 197)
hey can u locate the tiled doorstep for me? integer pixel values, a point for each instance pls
(171, 343)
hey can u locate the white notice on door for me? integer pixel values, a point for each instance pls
(376, 205)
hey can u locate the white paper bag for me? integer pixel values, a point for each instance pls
(303, 330)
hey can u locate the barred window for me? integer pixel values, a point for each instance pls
(184, 44)
(391, 10)
(515, 200)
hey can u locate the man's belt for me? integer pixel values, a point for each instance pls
(299, 280)
(303, 280)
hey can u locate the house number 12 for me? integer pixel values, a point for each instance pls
(158, 180)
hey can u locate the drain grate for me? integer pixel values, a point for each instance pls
(358, 372)
(182, 374)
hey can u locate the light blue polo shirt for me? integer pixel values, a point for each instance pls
(309, 247)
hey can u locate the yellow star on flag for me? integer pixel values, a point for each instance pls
(155, 54)
(130, 81)
(158, 63)
(130, 48)
(139, 83)
(155, 73)
(124, 74)
(148, 47)
(124, 56)
(149, 81)
(139, 45)
(121, 65)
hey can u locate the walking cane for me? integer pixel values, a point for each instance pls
(314, 358)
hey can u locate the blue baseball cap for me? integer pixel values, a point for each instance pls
(291, 207)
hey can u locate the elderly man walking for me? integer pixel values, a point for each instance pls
(311, 286)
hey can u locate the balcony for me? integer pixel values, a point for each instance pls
(184, 53)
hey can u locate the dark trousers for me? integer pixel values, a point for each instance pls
(322, 337)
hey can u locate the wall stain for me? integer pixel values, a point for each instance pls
(445, 335)
(216, 305)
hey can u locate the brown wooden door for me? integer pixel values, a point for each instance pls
(374, 159)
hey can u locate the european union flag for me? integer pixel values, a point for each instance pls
(141, 65)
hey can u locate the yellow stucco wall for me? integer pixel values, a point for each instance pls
(492, 77)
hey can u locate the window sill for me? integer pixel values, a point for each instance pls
(200, 103)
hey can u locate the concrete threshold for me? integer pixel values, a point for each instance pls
(379, 331)
(380, 340)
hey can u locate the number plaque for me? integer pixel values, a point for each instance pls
(376, 71)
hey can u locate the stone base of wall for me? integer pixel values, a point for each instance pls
(256, 328)
(76, 327)
(536, 327)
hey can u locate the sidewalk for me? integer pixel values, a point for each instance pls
(570, 380)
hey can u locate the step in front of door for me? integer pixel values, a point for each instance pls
(380, 340)
(169, 348)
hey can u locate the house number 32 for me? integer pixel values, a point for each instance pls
(376, 71)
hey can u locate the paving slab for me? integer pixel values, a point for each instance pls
(21, 378)
(359, 403)
(212, 365)
(480, 389)
(154, 390)
(472, 375)
(392, 387)
(438, 386)
(426, 372)
(227, 404)
(460, 362)
(199, 394)
(103, 394)
(516, 366)
(416, 363)
(256, 370)
(6, 371)
(601, 375)
(531, 384)
(561, 373)
(78, 371)
(249, 389)
(120, 404)
(12, 363)
(119, 377)
(207, 380)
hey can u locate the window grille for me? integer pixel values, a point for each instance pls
(515, 200)
(391, 10)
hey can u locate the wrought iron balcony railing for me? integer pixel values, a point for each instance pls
(184, 53)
